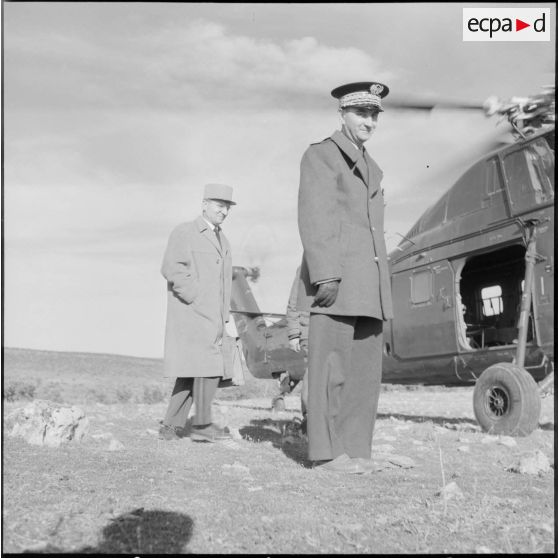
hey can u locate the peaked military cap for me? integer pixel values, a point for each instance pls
(361, 94)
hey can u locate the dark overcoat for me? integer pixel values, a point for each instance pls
(341, 225)
(199, 275)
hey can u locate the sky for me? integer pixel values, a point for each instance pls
(116, 114)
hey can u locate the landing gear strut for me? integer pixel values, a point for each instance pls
(506, 398)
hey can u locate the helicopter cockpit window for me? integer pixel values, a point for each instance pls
(530, 174)
(466, 195)
(492, 302)
(492, 178)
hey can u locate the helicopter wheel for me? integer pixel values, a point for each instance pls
(506, 400)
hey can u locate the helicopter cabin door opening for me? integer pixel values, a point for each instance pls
(424, 323)
(490, 289)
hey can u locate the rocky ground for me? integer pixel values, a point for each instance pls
(123, 490)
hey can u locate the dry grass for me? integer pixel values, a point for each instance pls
(259, 495)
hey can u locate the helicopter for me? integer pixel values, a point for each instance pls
(472, 283)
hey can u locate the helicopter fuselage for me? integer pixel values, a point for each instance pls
(457, 280)
(458, 276)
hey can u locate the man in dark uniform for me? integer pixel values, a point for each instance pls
(345, 283)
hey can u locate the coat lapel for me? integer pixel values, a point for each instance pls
(352, 153)
(374, 173)
(208, 233)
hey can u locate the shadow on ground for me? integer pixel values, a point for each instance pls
(137, 532)
(283, 434)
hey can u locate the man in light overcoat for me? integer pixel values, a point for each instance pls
(198, 268)
(345, 283)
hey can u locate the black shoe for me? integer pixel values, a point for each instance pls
(210, 433)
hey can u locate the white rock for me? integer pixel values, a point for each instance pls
(152, 431)
(230, 444)
(102, 436)
(382, 448)
(401, 461)
(507, 441)
(450, 491)
(237, 469)
(534, 463)
(46, 423)
(115, 445)
(489, 440)
(465, 449)
(483, 550)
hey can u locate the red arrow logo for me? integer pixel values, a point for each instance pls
(519, 25)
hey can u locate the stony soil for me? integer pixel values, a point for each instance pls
(123, 490)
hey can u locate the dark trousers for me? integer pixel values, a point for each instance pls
(344, 377)
(199, 391)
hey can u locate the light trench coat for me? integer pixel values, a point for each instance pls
(199, 276)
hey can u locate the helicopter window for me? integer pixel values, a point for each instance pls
(492, 177)
(542, 161)
(492, 302)
(465, 196)
(530, 173)
(433, 217)
(478, 188)
(421, 287)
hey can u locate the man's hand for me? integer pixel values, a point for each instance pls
(294, 344)
(327, 293)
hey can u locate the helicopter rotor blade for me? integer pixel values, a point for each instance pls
(430, 104)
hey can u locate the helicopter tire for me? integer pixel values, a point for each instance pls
(506, 400)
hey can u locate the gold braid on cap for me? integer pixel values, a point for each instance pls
(362, 98)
